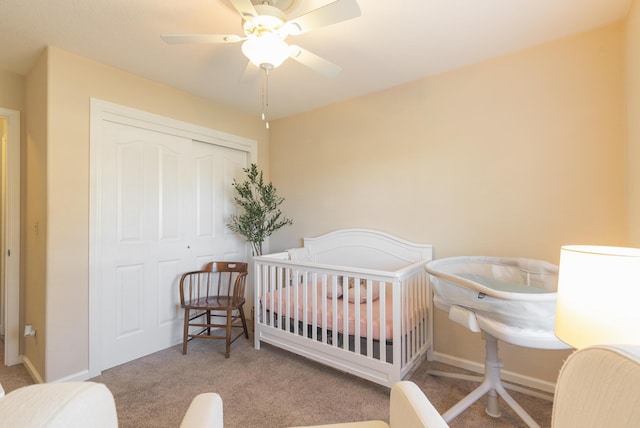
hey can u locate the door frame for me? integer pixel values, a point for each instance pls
(10, 245)
(102, 111)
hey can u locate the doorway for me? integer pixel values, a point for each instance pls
(10, 234)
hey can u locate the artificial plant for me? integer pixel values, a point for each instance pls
(260, 204)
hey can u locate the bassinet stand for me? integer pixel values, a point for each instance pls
(492, 330)
(492, 385)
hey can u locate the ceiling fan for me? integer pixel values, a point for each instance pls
(266, 26)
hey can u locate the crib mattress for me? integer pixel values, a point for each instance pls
(381, 308)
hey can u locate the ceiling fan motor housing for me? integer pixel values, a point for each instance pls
(270, 19)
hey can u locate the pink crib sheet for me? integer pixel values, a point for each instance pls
(298, 307)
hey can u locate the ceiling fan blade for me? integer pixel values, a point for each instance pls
(201, 38)
(332, 13)
(314, 62)
(245, 8)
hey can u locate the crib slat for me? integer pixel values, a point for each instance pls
(281, 278)
(271, 286)
(383, 316)
(356, 315)
(345, 314)
(314, 307)
(407, 331)
(334, 303)
(369, 337)
(323, 321)
(397, 333)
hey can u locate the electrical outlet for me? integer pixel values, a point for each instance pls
(29, 331)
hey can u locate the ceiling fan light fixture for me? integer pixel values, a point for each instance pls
(266, 50)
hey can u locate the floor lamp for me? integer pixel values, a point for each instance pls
(598, 297)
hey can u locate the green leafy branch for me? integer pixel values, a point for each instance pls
(261, 214)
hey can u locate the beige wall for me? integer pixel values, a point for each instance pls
(11, 91)
(34, 216)
(515, 156)
(633, 121)
(72, 81)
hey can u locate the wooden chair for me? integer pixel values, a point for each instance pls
(209, 294)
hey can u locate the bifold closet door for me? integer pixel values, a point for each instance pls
(164, 204)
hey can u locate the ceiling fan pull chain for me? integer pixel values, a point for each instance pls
(265, 95)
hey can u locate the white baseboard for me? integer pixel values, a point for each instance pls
(31, 369)
(77, 377)
(35, 375)
(520, 379)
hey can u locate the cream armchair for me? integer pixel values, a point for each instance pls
(408, 408)
(87, 404)
(597, 387)
(59, 405)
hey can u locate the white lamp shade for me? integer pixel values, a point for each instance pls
(266, 50)
(598, 296)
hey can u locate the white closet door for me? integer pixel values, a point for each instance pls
(164, 203)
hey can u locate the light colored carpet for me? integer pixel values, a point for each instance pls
(12, 377)
(274, 388)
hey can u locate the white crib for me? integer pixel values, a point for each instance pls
(357, 300)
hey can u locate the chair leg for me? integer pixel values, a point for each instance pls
(229, 319)
(185, 335)
(244, 322)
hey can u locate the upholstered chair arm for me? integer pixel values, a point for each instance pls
(410, 408)
(205, 411)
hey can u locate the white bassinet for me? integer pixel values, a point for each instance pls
(517, 292)
(508, 299)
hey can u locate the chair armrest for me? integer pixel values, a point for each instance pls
(66, 404)
(205, 411)
(410, 408)
(599, 386)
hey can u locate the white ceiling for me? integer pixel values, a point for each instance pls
(391, 43)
